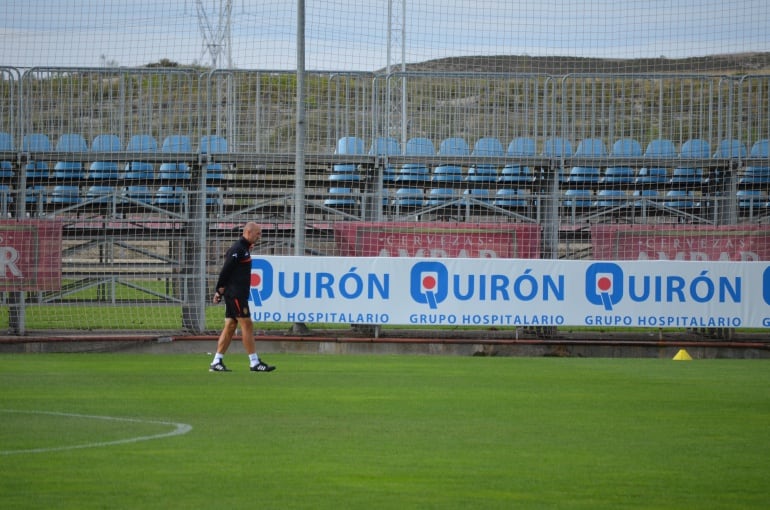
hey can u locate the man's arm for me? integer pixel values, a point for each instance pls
(224, 274)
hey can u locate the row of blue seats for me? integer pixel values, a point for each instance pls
(74, 143)
(70, 195)
(415, 198)
(676, 199)
(554, 147)
(405, 198)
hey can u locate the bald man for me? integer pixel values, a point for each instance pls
(233, 285)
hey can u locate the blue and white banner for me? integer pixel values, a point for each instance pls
(510, 292)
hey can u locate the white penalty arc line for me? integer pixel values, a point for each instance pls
(179, 429)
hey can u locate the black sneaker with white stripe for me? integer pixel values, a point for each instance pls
(218, 367)
(262, 367)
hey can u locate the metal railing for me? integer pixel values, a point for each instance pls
(174, 218)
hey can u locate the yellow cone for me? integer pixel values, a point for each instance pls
(682, 355)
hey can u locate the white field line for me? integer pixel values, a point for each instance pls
(179, 429)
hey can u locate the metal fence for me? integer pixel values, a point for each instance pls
(192, 155)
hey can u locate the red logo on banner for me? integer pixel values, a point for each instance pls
(30, 255)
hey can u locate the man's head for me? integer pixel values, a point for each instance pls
(252, 232)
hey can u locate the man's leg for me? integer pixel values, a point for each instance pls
(226, 336)
(223, 343)
(247, 335)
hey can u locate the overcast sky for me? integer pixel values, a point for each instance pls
(352, 34)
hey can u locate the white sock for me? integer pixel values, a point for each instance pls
(253, 360)
(217, 358)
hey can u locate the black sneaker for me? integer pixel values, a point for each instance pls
(262, 367)
(218, 367)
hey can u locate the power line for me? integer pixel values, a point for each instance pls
(215, 30)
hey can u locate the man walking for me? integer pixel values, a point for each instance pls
(233, 285)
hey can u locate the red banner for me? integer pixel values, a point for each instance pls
(30, 255)
(668, 242)
(438, 240)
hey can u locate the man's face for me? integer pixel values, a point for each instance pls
(253, 235)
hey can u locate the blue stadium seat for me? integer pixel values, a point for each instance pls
(731, 148)
(591, 147)
(416, 173)
(342, 199)
(6, 144)
(557, 147)
(70, 142)
(580, 176)
(687, 177)
(696, 148)
(656, 176)
(475, 197)
(617, 176)
(170, 196)
(383, 147)
(610, 198)
(521, 146)
(36, 142)
(450, 173)
(104, 169)
(347, 172)
(752, 202)
(652, 176)
(36, 195)
(350, 145)
(518, 174)
(483, 172)
(488, 146)
(137, 193)
(175, 144)
(621, 175)
(439, 196)
(757, 175)
(646, 198)
(447, 174)
(100, 194)
(660, 148)
(408, 199)
(63, 195)
(140, 169)
(583, 176)
(213, 144)
(681, 199)
(511, 198)
(626, 147)
(577, 198)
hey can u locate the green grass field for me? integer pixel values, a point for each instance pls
(375, 432)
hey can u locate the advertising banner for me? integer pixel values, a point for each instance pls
(667, 242)
(30, 255)
(510, 292)
(438, 240)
